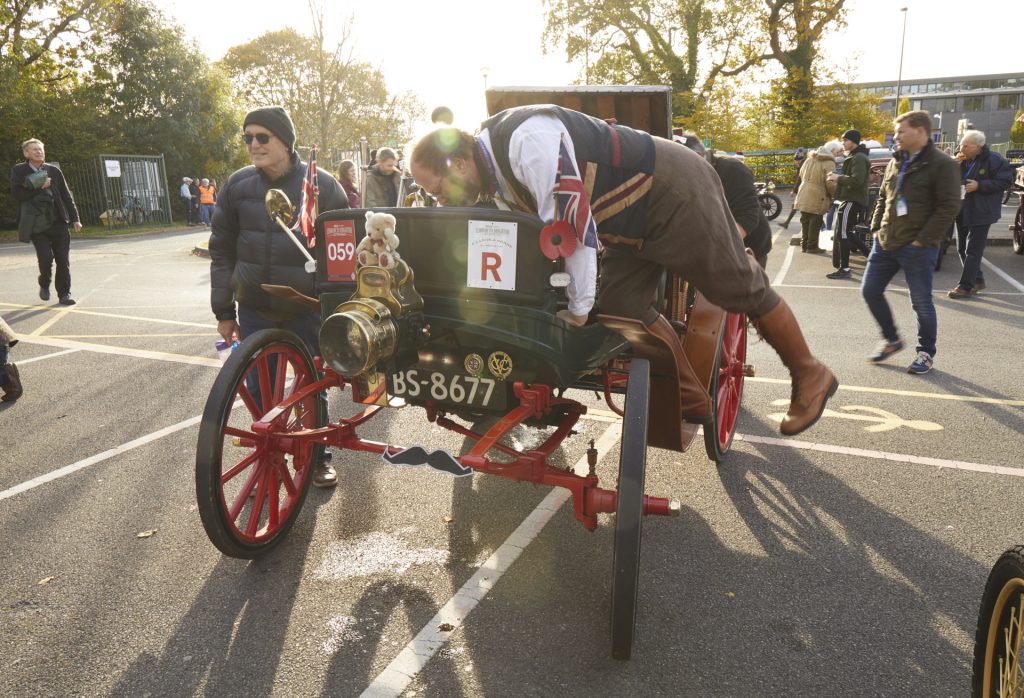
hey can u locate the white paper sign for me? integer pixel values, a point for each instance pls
(113, 168)
(492, 255)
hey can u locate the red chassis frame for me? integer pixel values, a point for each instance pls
(535, 401)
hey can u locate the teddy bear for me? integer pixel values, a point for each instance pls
(379, 246)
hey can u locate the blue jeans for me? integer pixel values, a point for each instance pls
(918, 265)
(307, 327)
(970, 245)
(206, 213)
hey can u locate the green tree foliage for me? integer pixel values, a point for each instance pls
(627, 42)
(45, 41)
(333, 98)
(101, 76)
(161, 96)
(1017, 130)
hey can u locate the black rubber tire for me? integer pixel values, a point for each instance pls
(629, 509)
(1003, 598)
(771, 205)
(1018, 228)
(715, 447)
(210, 496)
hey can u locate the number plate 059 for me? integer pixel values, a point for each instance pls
(420, 385)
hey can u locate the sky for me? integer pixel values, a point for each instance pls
(446, 50)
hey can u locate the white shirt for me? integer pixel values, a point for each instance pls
(533, 155)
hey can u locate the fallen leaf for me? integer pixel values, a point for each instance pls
(146, 534)
(45, 580)
(730, 594)
(446, 627)
(448, 519)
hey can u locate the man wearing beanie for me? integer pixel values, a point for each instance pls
(248, 249)
(852, 193)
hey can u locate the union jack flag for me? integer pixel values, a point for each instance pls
(571, 201)
(309, 209)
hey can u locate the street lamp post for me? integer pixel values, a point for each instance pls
(899, 77)
(485, 71)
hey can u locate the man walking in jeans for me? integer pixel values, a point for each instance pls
(918, 200)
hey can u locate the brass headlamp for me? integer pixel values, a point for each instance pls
(383, 320)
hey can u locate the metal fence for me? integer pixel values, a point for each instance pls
(776, 165)
(121, 190)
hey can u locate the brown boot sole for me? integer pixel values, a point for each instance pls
(831, 391)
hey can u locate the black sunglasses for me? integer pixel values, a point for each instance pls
(263, 138)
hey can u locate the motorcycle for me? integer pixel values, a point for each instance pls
(771, 204)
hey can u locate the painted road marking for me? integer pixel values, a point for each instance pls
(883, 420)
(78, 311)
(397, 676)
(135, 335)
(883, 455)
(786, 264)
(98, 458)
(124, 351)
(891, 287)
(55, 354)
(1008, 402)
(1009, 279)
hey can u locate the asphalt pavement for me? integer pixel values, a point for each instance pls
(847, 561)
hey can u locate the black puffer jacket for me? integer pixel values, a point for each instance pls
(248, 249)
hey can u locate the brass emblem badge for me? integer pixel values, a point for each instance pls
(500, 365)
(474, 364)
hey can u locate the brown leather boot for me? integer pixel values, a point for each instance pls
(813, 383)
(696, 403)
(13, 389)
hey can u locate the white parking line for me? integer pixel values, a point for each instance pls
(98, 458)
(124, 351)
(55, 354)
(400, 672)
(786, 264)
(1006, 277)
(883, 455)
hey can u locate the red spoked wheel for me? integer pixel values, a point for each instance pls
(726, 386)
(250, 485)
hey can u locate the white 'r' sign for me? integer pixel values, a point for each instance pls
(492, 255)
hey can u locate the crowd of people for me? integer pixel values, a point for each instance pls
(198, 199)
(516, 162)
(924, 195)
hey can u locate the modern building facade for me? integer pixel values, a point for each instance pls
(989, 102)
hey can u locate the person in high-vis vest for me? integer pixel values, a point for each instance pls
(652, 203)
(207, 201)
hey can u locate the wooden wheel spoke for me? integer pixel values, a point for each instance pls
(249, 400)
(281, 370)
(263, 374)
(239, 467)
(240, 433)
(286, 480)
(243, 495)
(273, 505)
(256, 512)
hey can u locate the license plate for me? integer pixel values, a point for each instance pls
(453, 388)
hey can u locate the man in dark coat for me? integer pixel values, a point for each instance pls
(741, 196)
(46, 209)
(248, 249)
(985, 176)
